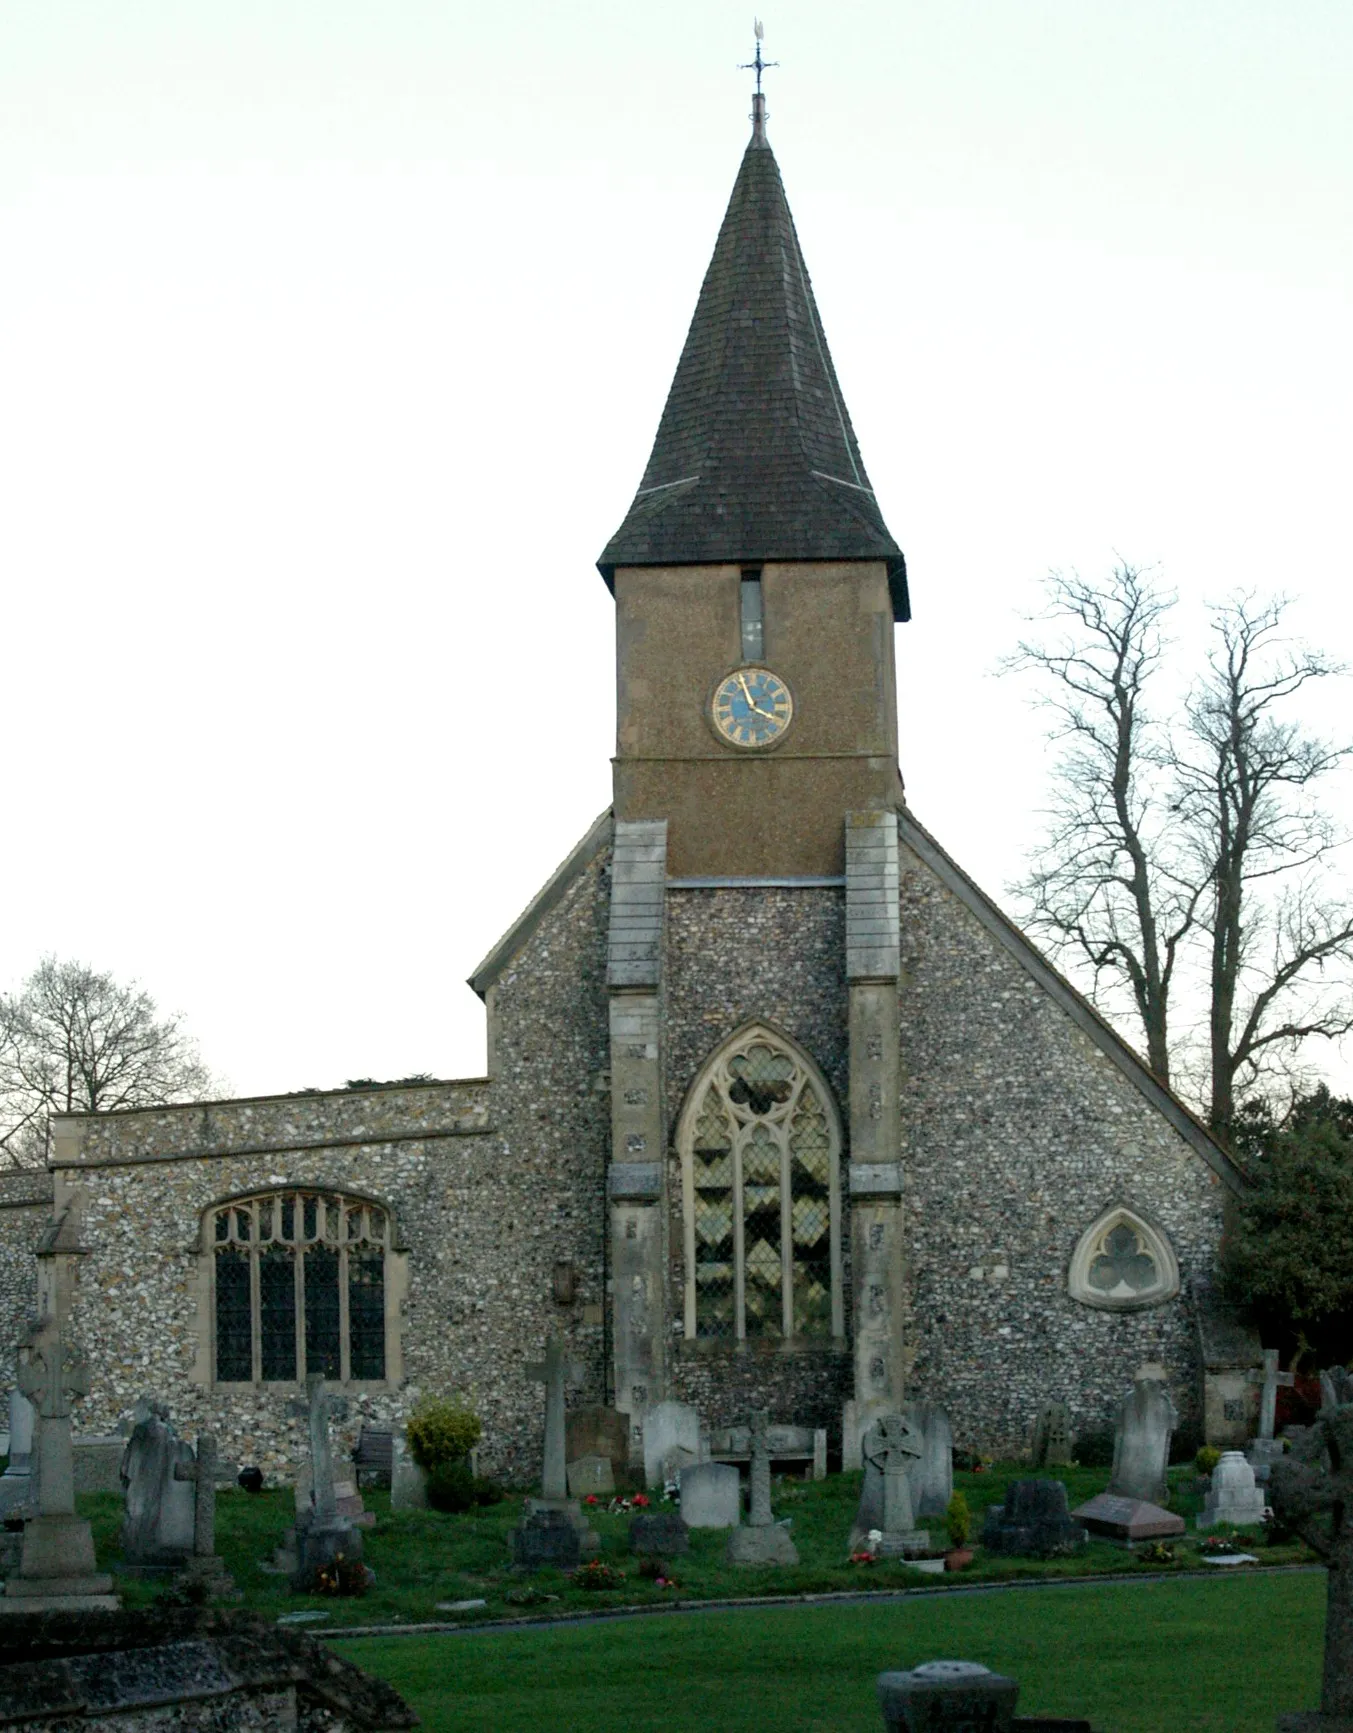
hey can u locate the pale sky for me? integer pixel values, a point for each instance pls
(333, 339)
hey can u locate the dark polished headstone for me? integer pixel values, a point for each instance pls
(661, 1534)
(546, 1540)
(1034, 1522)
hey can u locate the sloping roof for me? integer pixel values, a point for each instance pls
(597, 838)
(1079, 1009)
(755, 457)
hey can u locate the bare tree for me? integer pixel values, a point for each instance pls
(1111, 884)
(73, 1040)
(1194, 841)
(1281, 938)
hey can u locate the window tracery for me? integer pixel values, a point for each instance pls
(299, 1280)
(760, 1143)
(1122, 1262)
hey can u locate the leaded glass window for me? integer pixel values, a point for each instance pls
(761, 1143)
(300, 1285)
(1123, 1261)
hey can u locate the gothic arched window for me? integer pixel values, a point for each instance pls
(760, 1144)
(299, 1286)
(1121, 1262)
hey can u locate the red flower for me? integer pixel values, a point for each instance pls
(591, 1498)
(640, 1502)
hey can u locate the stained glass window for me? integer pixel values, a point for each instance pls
(761, 1150)
(300, 1287)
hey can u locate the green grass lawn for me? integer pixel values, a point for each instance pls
(421, 1557)
(1218, 1656)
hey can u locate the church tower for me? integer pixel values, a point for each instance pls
(756, 588)
(755, 582)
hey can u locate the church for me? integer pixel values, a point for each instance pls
(782, 1111)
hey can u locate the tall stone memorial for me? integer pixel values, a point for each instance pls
(204, 1472)
(157, 1522)
(763, 1541)
(1141, 1450)
(539, 1538)
(58, 1568)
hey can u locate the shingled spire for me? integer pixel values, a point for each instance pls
(755, 457)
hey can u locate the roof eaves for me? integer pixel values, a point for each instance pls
(598, 836)
(1076, 1006)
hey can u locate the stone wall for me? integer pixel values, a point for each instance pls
(25, 1210)
(1017, 1132)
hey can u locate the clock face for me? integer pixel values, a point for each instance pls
(752, 707)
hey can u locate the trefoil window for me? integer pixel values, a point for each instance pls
(299, 1282)
(1122, 1262)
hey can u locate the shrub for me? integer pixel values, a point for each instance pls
(1207, 1459)
(441, 1432)
(451, 1487)
(1095, 1449)
(487, 1490)
(958, 1520)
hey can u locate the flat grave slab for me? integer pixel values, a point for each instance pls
(1127, 1518)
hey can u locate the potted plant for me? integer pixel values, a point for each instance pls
(958, 1524)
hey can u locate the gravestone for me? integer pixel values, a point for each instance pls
(931, 1479)
(659, 1534)
(204, 1472)
(1262, 1452)
(157, 1524)
(1127, 1519)
(1233, 1496)
(1312, 1494)
(545, 1540)
(1141, 1450)
(959, 1695)
(1336, 1388)
(591, 1477)
(711, 1495)
(408, 1482)
(763, 1541)
(96, 1463)
(1034, 1522)
(671, 1441)
(18, 1485)
(554, 1372)
(596, 1431)
(856, 1419)
(322, 1535)
(1052, 1437)
(891, 1447)
(57, 1569)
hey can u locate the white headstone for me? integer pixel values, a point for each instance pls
(711, 1495)
(671, 1440)
(1142, 1445)
(1233, 1496)
(591, 1476)
(408, 1483)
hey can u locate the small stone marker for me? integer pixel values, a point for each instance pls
(204, 1472)
(931, 1478)
(711, 1495)
(763, 1541)
(1141, 1452)
(554, 1371)
(18, 1488)
(1336, 1388)
(591, 1477)
(408, 1483)
(546, 1540)
(659, 1534)
(1034, 1522)
(58, 1568)
(593, 1430)
(671, 1441)
(322, 1536)
(1052, 1437)
(958, 1695)
(1313, 1482)
(1128, 1519)
(1233, 1496)
(157, 1524)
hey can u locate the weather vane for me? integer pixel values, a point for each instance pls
(758, 65)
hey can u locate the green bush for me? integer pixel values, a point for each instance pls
(1095, 1449)
(1207, 1459)
(487, 1491)
(958, 1520)
(441, 1432)
(451, 1487)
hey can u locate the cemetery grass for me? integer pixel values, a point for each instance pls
(1133, 1658)
(421, 1558)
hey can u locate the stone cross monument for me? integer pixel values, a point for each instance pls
(554, 1371)
(1311, 1489)
(206, 1472)
(1266, 1449)
(321, 1452)
(58, 1567)
(763, 1541)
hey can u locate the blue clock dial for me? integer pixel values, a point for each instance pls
(752, 707)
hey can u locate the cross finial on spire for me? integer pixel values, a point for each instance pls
(758, 66)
